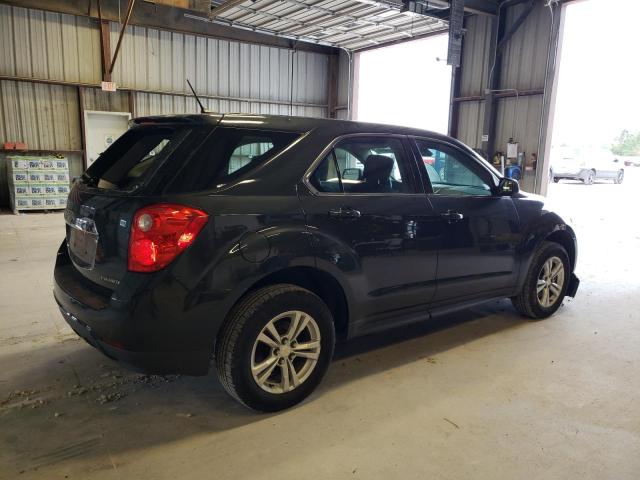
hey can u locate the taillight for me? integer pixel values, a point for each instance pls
(159, 233)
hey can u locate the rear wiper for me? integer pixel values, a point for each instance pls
(90, 181)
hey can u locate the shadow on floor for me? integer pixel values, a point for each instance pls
(102, 408)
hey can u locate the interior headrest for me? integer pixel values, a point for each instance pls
(378, 167)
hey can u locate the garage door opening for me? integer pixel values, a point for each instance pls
(596, 138)
(406, 84)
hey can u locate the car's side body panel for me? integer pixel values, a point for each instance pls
(538, 223)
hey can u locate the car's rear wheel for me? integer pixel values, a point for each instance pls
(619, 177)
(546, 282)
(275, 348)
(590, 178)
(556, 179)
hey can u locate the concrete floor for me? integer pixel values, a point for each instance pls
(482, 394)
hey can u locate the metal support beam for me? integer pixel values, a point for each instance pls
(516, 25)
(500, 36)
(124, 26)
(503, 94)
(549, 100)
(476, 7)
(224, 7)
(454, 107)
(105, 46)
(489, 122)
(161, 92)
(333, 86)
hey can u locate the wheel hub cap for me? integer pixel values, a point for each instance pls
(550, 282)
(286, 352)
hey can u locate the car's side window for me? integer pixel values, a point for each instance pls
(450, 172)
(326, 177)
(249, 147)
(375, 164)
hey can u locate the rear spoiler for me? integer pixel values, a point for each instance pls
(203, 118)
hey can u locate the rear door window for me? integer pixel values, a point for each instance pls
(370, 165)
(228, 154)
(126, 163)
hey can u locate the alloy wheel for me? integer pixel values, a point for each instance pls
(550, 282)
(285, 352)
(590, 178)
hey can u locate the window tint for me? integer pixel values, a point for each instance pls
(364, 165)
(451, 172)
(227, 154)
(124, 164)
(249, 148)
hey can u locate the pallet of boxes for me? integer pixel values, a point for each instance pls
(37, 183)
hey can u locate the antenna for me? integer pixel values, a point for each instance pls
(202, 109)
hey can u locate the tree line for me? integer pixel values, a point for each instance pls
(627, 144)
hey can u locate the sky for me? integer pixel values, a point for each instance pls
(599, 76)
(598, 84)
(405, 85)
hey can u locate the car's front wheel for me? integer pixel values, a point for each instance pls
(275, 348)
(619, 177)
(546, 282)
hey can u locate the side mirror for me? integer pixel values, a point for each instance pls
(508, 187)
(352, 174)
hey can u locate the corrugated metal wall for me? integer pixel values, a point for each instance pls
(153, 65)
(162, 61)
(471, 115)
(42, 115)
(523, 68)
(47, 45)
(475, 56)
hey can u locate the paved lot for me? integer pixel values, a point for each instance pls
(481, 394)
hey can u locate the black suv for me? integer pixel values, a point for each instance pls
(256, 241)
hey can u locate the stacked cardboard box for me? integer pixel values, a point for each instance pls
(37, 183)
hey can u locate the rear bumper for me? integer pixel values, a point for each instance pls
(158, 363)
(145, 340)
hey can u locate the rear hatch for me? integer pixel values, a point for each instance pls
(159, 160)
(128, 175)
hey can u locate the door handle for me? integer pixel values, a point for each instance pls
(451, 217)
(344, 212)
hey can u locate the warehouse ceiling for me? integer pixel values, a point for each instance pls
(349, 24)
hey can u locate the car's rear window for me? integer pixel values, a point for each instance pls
(228, 154)
(126, 163)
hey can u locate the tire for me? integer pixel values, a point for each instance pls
(619, 177)
(238, 347)
(556, 179)
(590, 178)
(527, 301)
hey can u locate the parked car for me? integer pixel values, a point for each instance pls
(587, 167)
(236, 238)
(631, 161)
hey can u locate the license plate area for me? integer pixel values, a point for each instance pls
(83, 245)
